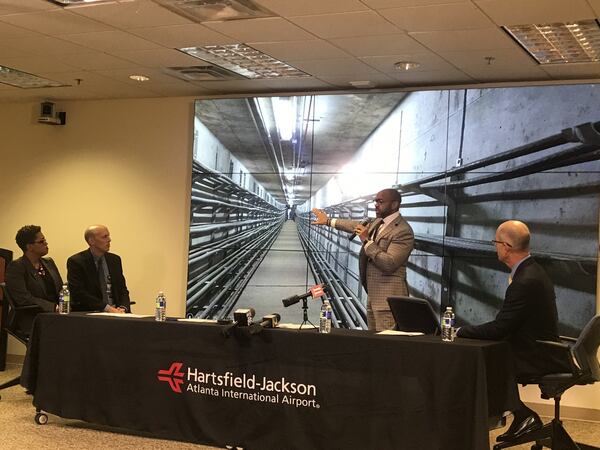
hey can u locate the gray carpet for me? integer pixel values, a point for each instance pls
(18, 431)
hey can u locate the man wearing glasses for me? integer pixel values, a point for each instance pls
(33, 279)
(96, 276)
(387, 243)
(528, 314)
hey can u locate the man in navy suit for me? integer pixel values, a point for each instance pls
(528, 314)
(95, 275)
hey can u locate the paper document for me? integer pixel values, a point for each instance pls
(131, 316)
(198, 320)
(401, 333)
(294, 326)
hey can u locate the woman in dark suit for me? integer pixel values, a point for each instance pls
(33, 279)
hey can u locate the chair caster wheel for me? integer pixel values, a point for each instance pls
(41, 419)
(537, 447)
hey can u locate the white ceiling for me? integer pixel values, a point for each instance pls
(335, 41)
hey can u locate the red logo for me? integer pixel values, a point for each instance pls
(317, 291)
(173, 375)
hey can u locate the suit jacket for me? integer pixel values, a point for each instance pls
(383, 263)
(26, 288)
(528, 313)
(84, 283)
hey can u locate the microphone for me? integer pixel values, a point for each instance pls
(241, 318)
(365, 221)
(270, 321)
(315, 291)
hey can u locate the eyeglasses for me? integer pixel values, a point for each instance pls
(494, 241)
(41, 241)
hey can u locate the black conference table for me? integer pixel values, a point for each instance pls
(278, 389)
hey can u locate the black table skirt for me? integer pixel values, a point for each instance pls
(279, 389)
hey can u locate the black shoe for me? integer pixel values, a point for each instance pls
(519, 428)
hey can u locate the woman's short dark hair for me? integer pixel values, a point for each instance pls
(26, 235)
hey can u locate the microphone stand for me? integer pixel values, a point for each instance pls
(305, 320)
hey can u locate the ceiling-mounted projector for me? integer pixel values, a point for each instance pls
(48, 116)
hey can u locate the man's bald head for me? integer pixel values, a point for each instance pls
(515, 233)
(98, 238)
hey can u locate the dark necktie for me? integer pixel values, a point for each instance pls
(376, 230)
(102, 279)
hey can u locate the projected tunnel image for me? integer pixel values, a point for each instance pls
(463, 160)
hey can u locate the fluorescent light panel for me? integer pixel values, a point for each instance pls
(78, 2)
(560, 43)
(211, 10)
(24, 80)
(244, 60)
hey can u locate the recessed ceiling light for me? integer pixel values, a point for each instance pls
(406, 65)
(139, 77)
(244, 60)
(24, 80)
(559, 43)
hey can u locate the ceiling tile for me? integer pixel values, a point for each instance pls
(391, 44)
(8, 52)
(428, 62)
(334, 66)
(314, 49)
(55, 23)
(573, 71)
(595, 4)
(131, 14)
(44, 45)
(21, 6)
(273, 85)
(93, 60)
(352, 24)
(463, 40)
(110, 40)
(178, 36)
(261, 30)
(159, 58)
(122, 75)
(436, 77)
(8, 31)
(454, 16)
(307, 7)
(519, 12)
(36, 64)
(480, 59)
(381, 4)
(377, 79)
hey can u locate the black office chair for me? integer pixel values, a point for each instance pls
(585, 370)
(5, 259)
(414, 314)
(18, 325)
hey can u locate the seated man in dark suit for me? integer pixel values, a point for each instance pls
(96, 276)
(527, 314)
(33, 279)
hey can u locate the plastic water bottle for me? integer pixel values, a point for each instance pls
(448, 325)
(325, 317)
(64, 300)
(161, 307)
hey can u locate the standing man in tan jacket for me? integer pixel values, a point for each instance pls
(386, 245)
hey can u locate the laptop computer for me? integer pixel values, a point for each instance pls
(414, 314)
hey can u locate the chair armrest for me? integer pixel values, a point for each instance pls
(562, 350)
(568, 339)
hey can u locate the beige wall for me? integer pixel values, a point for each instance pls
(123, 163)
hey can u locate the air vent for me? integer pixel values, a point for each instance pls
(211, 10)
(202, 73)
